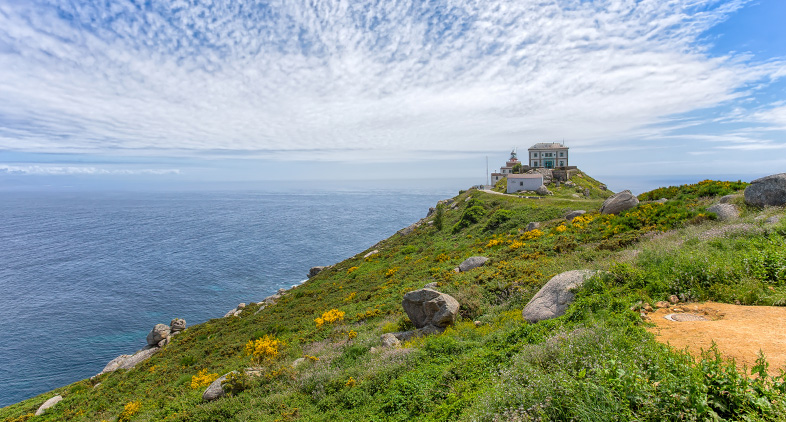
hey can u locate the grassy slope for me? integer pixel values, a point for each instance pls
(594, 363)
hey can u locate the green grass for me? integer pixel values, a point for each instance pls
(594, 363)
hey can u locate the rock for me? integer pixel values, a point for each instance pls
(158, 333)
(409, 229)
(728, 198)
(214, 390)
(129, 361)
(647, 308)
(241, 306)
(433, 285)
(420, 332)
(662, 201)
(390, 340)
(272, 299)
(775, 219)
(472, 263)
(426, 307)
(573, 214)
(725, 212)
(47, 404)
(477, 323)
(177, 325)
(619, 202)
(602, 187)
(543, 190)
(374, 252)
(586, 192)
(281, 291)
(232, 312)
(770, 190)
(674, 299)
(662, 304)
(532, 226)
(298, 362)
(315, 270)
(553, 299)
(431, 211)
(163, 342)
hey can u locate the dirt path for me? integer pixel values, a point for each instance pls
(739, 331)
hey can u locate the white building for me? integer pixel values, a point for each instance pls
(505, 170)
(520, 182)
(548, 155)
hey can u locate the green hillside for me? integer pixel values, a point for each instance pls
(596, 362)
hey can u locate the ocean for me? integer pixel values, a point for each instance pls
(85, 275)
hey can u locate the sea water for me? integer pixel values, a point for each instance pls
(84, 276)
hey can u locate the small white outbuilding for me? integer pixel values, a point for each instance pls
(521, 182)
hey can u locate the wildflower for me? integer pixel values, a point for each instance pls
(351, 269)
(202, 379)
(265, 348)
(330, 317)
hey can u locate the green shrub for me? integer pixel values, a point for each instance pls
(470, 216)
(497, 219)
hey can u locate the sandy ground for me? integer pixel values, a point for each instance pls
(739, 331)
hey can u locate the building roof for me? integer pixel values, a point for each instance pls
(548, 145)
(525, 176)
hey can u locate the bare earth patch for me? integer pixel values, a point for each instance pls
(739, 331)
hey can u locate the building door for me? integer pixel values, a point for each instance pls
(549, 164)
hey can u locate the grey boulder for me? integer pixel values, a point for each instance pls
(315, 270)
(770, 190)
(158, 333)
(573, 214)
(725, 212)
(472, 263)
(543, 190)
(553, 299)
(177, 325)
(390, 340)
(426, 307)
(532, 226)
(215, 390)
(47, 404)
(129, 361)
(619, 202)
(727, 199)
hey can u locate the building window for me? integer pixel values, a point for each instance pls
(521, 183)
(561, 154)
(536, 163)
(562, 163)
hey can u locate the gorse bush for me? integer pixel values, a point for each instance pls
(202, 379)
(263, 349)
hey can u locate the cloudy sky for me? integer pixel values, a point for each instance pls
(229, 90)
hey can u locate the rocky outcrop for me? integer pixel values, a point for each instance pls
(426, 307)
(215, 391)
(48, 404)
(727, 199)
(176, 326)
(158, 333)
(619, 202)
(767, 191)
(553, 299)
(472, 263)
(725, 212)
(370, 254)
(573, 214)
(543, 190)
(315, 270)
(129, 361)
(532, 226)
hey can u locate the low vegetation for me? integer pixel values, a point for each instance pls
(596, 362)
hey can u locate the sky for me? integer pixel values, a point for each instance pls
(225, 91)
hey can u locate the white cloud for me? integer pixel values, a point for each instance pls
(54, 170)
(356, 80)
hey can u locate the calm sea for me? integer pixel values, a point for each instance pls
(84, 276)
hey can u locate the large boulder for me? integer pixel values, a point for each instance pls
(390, 340)
(129, 361)
(158, 333)
(47, 404)
(543, 190)
(426, 307)
(472, 263)
(573, 214)
(770, 190)
(619, 202)
(553, 299)
(215, 390)
(315, 270)
(725, 212)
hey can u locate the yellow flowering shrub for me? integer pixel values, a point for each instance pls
(202, 379)
(515, 244)
(329, 317)
(129, 410)
(561, 228)
(264, 349)
(532, 234)
(441, 258)
(351, 269)
(494, 242)
(352, 334)
(350, 297)
(351, 382)
(368, 314)
(391, 272)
